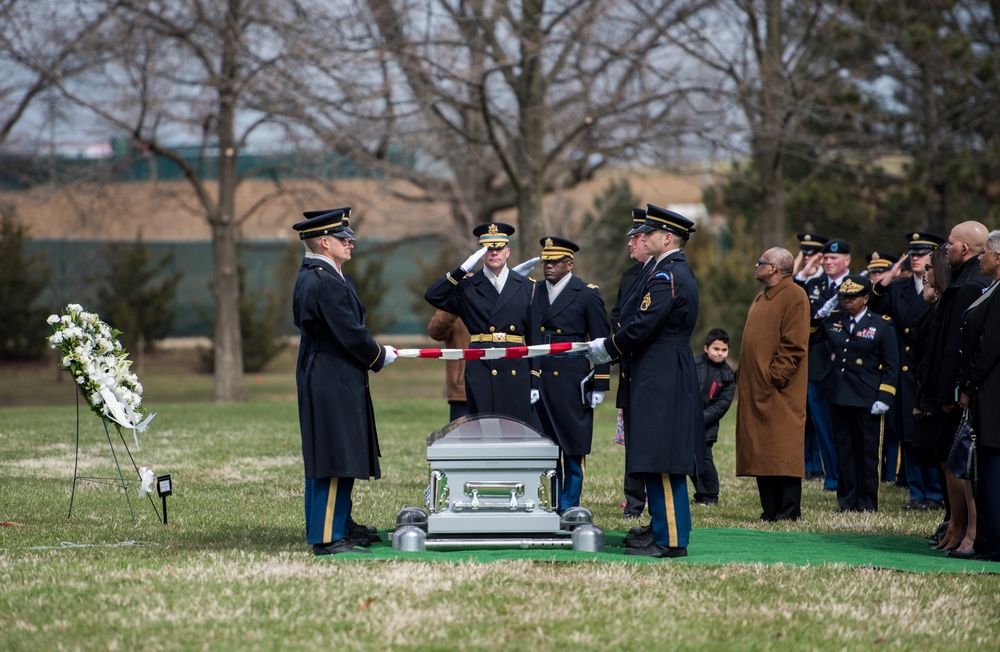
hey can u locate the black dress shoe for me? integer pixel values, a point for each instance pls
(362, 535)
(642, 529)
(913, 504)
(337, 547)
(969, 554)
(638, 541)
(930, 505)
(656, 550)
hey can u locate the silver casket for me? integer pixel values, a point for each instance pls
(491, 475)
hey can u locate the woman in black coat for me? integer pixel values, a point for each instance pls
(980, 392)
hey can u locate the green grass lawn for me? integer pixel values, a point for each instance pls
(231, 569)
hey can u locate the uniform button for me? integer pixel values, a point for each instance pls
(543, 329)
(513, 372)
(558, 331)
(906, 330)
(494, 372)
(555, 373)
(907, 349)
(859, 362)
(492, 329)
(512, 327)
(623, 374)
(905, 368)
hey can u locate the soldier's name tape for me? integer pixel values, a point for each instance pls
(497, 353)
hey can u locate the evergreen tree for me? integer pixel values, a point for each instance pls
(22, 326)
(130, 299)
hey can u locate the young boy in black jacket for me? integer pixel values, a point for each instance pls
(718, 387)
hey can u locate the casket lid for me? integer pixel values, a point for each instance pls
(489, 437)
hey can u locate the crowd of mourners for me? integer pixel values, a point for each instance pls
(932, 425)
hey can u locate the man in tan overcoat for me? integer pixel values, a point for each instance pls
(772, 382)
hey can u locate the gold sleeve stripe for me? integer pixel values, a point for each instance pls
(887, 388)
(450, 279)
(377, 355)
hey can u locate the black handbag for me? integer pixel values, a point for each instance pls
(961, 457)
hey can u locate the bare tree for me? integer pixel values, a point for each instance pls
(514, 100)
(219, 73)
(776, 61)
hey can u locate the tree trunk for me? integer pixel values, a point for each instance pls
(767, 145)
(229, 385)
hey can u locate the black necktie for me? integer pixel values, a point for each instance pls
(850, 328)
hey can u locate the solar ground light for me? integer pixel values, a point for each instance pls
(164, 488)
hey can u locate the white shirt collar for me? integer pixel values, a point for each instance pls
(837, 281)
(859, 316)
(554, 290)
(327, 259)
(665, 254)
(498, 280)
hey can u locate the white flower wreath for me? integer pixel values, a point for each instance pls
(99, 364)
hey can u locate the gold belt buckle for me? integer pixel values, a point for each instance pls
(499, 337)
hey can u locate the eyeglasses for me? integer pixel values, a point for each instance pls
(761, 261)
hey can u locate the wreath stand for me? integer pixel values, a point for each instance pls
(119, 481)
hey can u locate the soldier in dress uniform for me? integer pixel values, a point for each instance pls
(901, 298)
(336, 352)
(821, 288)
(810, 250)
(665, 428)
(860, 384)
(496, 305)
(568, 310)
(628, 302)
(879, 264)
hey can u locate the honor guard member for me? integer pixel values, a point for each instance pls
(821, 289)
(901, 298)
(495, 304)
(810, 254)
(860, 385)
(336, 352)
(568, 310)
(628, 302)
(665, 428)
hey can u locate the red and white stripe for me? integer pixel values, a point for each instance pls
(497, 353)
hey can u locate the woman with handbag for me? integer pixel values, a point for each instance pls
(979, 385)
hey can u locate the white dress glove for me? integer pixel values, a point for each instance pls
(535, 395)
(596, 398)
(828, 307)
(878, 407)
(390, 355)
(596, 352)
(525, 268)
(471, 261)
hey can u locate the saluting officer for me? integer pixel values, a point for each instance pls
(901, 298)
(569, 310)
(336, 352)
(810, 254)
(627, 303)
(860, 385)
(495, 304)
(665, 429)
(821, 289)
(879, 264)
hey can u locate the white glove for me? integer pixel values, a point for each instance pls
(596, 398)
(596, 352)
(525, 268)
(535, 395)
(471, 261)
(390, 355)
(878, 407)
(828, 307)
